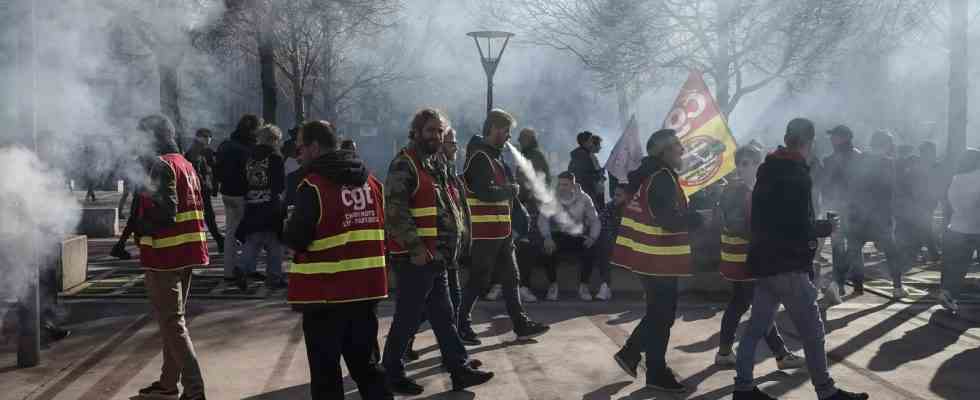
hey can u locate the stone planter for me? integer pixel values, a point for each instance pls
(72, 262)
(99, 222)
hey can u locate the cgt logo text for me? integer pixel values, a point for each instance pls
(358, 197)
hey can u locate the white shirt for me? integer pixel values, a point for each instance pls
(964, 198)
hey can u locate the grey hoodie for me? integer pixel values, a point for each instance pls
(579, 208)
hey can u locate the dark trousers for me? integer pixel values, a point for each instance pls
(486, 257)
(349, 330)
(596, 258)
(421, 289)
(530, 256)
(209, 218)
(958, 251)
(742, 294)
(883, 236)
(653, 332)
(455, 296)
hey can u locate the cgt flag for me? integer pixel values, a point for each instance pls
(709, 148)
(627, 154)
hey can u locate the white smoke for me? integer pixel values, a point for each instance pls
(36, 211)
(550, 207)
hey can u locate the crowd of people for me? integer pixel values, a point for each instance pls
(345, 230)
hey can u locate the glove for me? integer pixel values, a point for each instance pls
(824, 228)
(549, 246)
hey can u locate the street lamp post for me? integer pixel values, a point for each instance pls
(490, 61)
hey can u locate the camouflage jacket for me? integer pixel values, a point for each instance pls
(400, 184)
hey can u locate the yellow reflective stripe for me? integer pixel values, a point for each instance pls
(653, 250)
(172, 241)
(346, 237)
(332, 267)
(489, 218)
(477, 202)
(648, 229)
(423, 212)
(425, 232)
(735, 258)
(190, 216)
(733, 240)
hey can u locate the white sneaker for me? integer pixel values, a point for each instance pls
(832, 294)
(552, 292)
(948, 302)
(791, 361)
(900, 293)
(583, 292)
(494, 293)
(605, 294)
(527, 296)
(725, 360)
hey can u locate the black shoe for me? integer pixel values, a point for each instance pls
(257, 276)
(531, 329)
(754, 394)
(55, 334)
(858, 288)
(411, 355)
(406, 386)
(666, 381)
(468, 337)
(156, 391)
(466, 377)
(627, 361)
(120, 252)
(845, 395)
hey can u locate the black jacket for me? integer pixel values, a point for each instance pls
(783, 224)
(341, 167)
(263, 204)
(585, 165)
(203, 160)
(230, 166)
(478, 172)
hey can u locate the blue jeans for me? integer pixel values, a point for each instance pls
(653, 332)
(421, 289)
(795, 291)
(273, 253)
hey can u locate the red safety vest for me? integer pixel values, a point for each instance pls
(423, 208)
(647, 248)
(734, 252)
(183, 244)
(488, 219)
(346, 260)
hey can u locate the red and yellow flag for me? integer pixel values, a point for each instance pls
(708, 143)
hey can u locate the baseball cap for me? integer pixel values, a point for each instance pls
(841, 130)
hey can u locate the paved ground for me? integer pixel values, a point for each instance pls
(253, 349)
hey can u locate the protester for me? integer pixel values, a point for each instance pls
(170, 224)
(572, 231)
(653, 242)
(489, 194)
(261, 226)
(585, 165)
(838, 177)
(929, 182)
(735, 205)
(784, 230)
(202, 158)
(871, 216)
(338, 274)
(425, 230)
(230, 173)
(962, 237)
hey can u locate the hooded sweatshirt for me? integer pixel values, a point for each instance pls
(579, 209)
(263, 201)
(340, 167)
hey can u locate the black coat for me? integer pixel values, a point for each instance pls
(230, 166)
(783, 222)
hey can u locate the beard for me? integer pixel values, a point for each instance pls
(430, 146)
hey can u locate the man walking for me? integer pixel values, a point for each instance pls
(784, 239)
(425, 227)
(170, 226)
(837, 184)
(338, 273)
(489, 194)
(653, 242)
(202, 158)
(231, 158)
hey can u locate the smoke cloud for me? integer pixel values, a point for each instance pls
(550, 207)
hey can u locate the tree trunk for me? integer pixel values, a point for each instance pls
(958, 81)
(723, 59)
(170, 94)
(267, 76)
